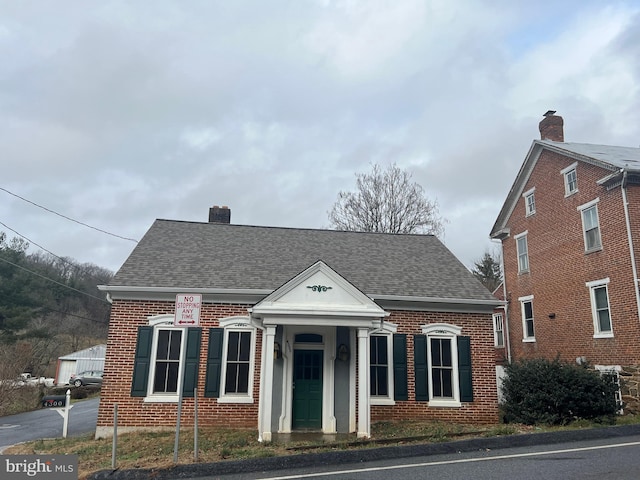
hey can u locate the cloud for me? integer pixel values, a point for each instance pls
(118, 114)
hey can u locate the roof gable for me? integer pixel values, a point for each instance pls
(611, 158)
(318, 291)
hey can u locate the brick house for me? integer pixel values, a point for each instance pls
(300, 329)
(570, 234)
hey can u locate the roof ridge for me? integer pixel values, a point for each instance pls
(275, 227)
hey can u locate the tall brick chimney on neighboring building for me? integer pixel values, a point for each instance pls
(219, 214)
(551, 127)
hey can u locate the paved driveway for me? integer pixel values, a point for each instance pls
(47, 423)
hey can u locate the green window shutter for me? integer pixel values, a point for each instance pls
(142, 362)
(400, 367)
(420, 368)
(464, 369)
(192, 361)
(214, 363)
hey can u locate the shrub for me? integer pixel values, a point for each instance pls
(540, 391)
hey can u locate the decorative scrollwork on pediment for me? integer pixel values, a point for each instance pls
(319, 288)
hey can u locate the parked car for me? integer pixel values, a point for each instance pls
(89, 377)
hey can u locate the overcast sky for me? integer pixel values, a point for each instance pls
(115, 113)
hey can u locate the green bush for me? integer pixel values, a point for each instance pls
(540, 391)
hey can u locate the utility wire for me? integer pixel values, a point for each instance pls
(68, 218)
(73, 315)
(54, 281)
(71, 264)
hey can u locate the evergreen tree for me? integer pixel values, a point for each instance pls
(487, 270)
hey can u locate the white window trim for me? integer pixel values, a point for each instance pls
(163, 322)
(451, 332)
(594, 313)
(615, 370)
(564, 172)
(581, 209)
(388, 329)
(525, 196)
(237, 324)
(495, 331)
(516, 238)
(522, 300)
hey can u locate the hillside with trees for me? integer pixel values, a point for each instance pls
(49, 307)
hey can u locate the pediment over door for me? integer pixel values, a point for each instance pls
(318, 293)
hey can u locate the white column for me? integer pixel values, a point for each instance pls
(266, 385)
(364, 404)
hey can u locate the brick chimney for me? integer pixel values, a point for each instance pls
(219, 214)
(551, 127)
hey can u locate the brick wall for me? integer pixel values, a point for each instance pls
(126, 317)
(133, 412)
(559, 268)
(483, 409)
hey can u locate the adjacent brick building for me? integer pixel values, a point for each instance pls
(299, 329)
(570, 233)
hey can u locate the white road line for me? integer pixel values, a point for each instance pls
(447, 462)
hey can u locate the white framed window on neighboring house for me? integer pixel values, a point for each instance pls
(528, 330)
(522, 248)
(599, 294)
(498, 330)
(591, 226)
(529, 201)
(570, 179)
(614, 371)
(238, 358)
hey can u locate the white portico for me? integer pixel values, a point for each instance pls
(313, 326)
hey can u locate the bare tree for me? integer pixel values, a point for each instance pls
(388, 201)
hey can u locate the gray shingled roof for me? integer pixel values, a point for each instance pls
(614, 156)
(609, 157)
(226, 256)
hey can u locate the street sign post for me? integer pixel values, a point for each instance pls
(187, 315)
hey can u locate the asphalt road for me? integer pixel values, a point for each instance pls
(47, 423)
(599, 453)
(593, 459)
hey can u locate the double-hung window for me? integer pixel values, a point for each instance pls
(613, 374)
(570, 179)
(164, 355)
(238, 363)
(526, 307)
(238, 354)
(529, 202)
(442, 359)
(379, 365)
(522, 248)
(167, 360)
(591, 225)
(387, 366)
(599, 294)
(498, 330)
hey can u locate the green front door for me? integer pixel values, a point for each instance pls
(307, 389)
